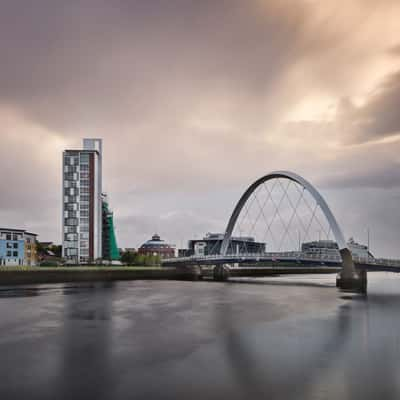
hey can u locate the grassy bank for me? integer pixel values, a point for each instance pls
(23, 268)
(36, 275)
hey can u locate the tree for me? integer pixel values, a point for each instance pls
(56, 249)
(128, 258)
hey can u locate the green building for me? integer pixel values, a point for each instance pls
(110, 248)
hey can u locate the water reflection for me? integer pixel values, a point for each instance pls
(86, 365)
(288, 339)
(353, 353)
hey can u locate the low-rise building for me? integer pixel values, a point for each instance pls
(329, 248)
(321, 249)
(211, 244)
(17, 247)
(157, 247)
(359, 250)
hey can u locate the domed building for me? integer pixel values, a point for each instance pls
(157, 247)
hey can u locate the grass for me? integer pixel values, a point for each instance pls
(78, 268)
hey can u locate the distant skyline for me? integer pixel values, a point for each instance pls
(194, 101)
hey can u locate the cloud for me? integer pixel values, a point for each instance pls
(88, 66)
(379, 117)
(383, 177)
(194, 100)
(395, 50)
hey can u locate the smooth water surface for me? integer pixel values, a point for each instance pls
(296, 338)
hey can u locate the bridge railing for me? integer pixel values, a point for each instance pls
(260, 257)
(377, 261)
(283, 256)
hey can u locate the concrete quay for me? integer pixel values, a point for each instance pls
(40, 275)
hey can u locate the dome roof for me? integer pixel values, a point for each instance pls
(155, 242)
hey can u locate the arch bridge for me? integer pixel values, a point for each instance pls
(352, 275)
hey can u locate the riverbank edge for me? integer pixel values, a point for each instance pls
(65, 275)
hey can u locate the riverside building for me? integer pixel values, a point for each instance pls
(330, 249)
(82, 203)
(157, 247)
(212, 242)
(17, 247)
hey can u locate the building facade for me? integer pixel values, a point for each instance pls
(359, 250)
(157, 247)
(321, 249)
(211, 245)
(17, 247)
(82, 203)
(330, 249)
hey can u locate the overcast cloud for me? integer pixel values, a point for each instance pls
(194, 101)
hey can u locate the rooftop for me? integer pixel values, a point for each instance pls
(155, 241)
(17, 231)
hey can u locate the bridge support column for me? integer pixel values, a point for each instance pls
(349, 278)
(190, 273)
(221, 273)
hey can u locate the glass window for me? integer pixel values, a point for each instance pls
(15, 236)
(15, 253)
(8, 236)
(15, 245)
(70, 168)
(9, 246)
(72, 192)
(71, 207)
(73, 160)
(71, 236)
(71, 252)
(69, 176)
(84, 158)
(8, 253)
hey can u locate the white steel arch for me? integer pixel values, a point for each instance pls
(337, 232)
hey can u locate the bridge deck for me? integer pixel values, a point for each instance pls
(292, 260)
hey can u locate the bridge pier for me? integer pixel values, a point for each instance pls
(190, 273)
(356, 283)
(349, 278)
(221, 272)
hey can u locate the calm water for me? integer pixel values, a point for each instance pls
(278, 338)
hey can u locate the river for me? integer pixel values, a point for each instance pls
(294, 337)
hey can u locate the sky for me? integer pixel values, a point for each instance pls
(195, 100)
